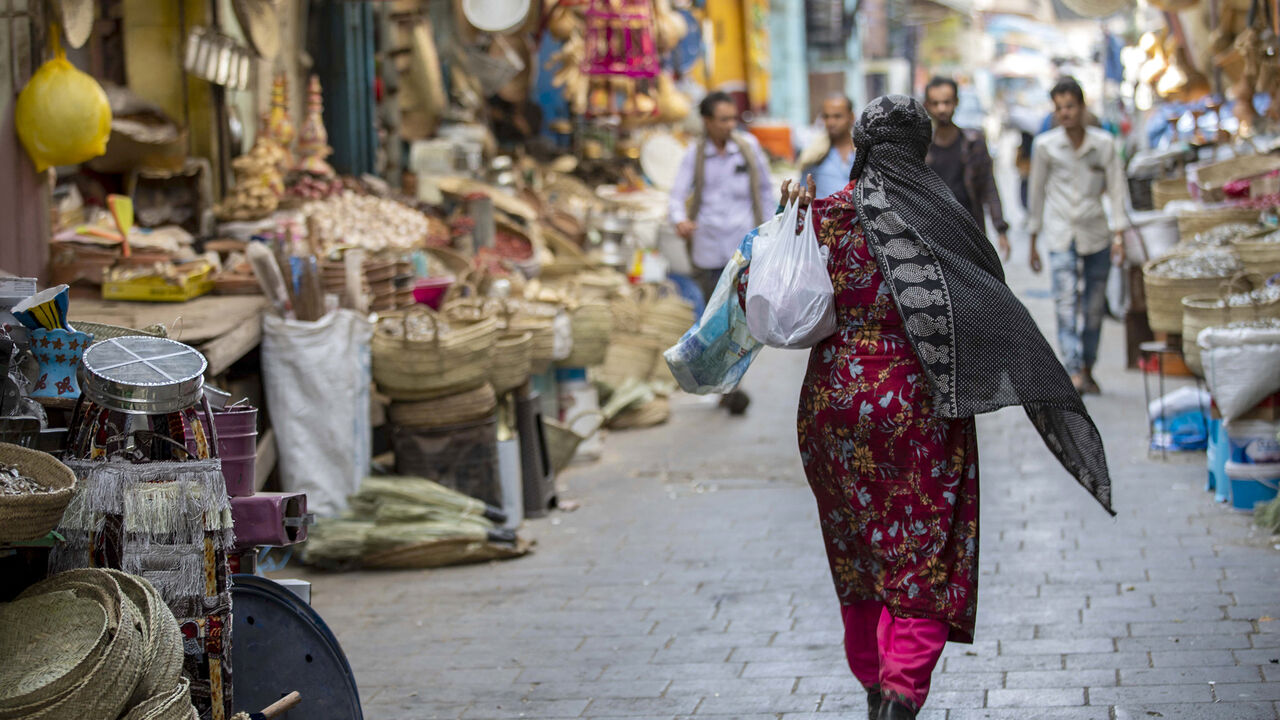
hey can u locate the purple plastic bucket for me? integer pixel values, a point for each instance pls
(237, 447)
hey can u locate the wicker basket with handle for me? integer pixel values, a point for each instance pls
(1260, 255)
(512, 361)
(453, 357)
(1164, 296)
(1203, 311)
(1212, 179)
(1194, 222)
(1164, 192)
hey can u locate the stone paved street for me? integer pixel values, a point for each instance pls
(692, 583)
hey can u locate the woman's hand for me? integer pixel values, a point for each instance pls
(804, 194)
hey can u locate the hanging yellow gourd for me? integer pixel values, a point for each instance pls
(62, 115)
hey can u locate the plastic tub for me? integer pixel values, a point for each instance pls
(1252, 484)
(237, 429)
(430, 291)
(1253, 442)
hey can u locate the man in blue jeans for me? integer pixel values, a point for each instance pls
(1073, 167)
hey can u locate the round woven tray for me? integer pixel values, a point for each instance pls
(449, 410)
(46, 643)
(102, 690)
(28, 517)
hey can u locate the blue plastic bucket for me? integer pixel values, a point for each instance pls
(1252, 484)
(1253, 442)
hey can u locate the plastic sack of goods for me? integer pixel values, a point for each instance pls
(790, 299)
(716, 352)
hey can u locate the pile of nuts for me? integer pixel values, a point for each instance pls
(1209, 262)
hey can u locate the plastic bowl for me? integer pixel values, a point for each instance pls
(430, 291)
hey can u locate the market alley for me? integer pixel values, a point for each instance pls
(692, 582)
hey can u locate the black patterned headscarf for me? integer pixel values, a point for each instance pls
(976, 341)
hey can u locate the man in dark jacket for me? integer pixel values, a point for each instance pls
(961, 158)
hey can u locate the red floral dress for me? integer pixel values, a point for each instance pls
(897, 486)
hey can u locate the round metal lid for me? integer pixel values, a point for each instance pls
(281, 645)
(143, 375)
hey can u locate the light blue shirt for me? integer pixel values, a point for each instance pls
(832, 174)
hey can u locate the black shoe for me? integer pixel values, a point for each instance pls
(737, 402)
(894, 710)
(873, 704)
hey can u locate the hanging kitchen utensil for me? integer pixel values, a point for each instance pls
(260, 20)
(76, 19)
(218, 58)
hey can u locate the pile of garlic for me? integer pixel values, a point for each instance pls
(366, 221)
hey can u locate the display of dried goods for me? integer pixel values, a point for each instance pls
(366, 221)
(510, 245)
(13, 482)
(259, 183)
(1224, 234)
(1208, 262)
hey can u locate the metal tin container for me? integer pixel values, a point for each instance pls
(143, 375)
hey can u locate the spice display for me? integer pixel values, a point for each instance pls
(13, 482)
(510, 245)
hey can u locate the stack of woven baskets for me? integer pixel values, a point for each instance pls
(92, 644)
(592, 323)
(666, 318)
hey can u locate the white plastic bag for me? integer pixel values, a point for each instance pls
(1241, 366)
(317, 377)
(790, 300)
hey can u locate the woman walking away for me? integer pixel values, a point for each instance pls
(928, 336)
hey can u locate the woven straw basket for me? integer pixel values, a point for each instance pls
(512, 361)
(1212, 179)
(592, 328)
(173, 704)
(537, 319)
(654, 412)
(562, 441)
(1164, 192)
(27, 517)
(451, 361)
(160, 631)
(629, 356)
(666, 317)
(1194, 222)
(464, 407)
(1203, 311)
(1259, 257)
(1164, 296)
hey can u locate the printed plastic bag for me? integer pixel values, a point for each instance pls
(715, 353)
(790, 301)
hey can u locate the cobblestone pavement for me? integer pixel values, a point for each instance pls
(692, 582)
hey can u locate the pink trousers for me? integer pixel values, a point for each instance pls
(895, 654)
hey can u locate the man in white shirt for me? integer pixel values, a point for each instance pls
(1073, 168)
(722, 191)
